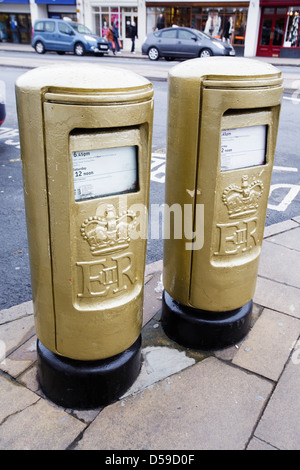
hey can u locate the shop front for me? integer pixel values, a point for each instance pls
(279, 32)
(18, 16)
(122, 16)
(56, 9)
(223, 20)
(15, 21)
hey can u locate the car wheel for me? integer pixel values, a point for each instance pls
(153, 53)
(205, 53)
(39, 47)
(79, 49)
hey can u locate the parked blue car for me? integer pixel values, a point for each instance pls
(66, 36)
(2, 103)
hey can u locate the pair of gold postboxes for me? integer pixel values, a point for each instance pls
(86, 150)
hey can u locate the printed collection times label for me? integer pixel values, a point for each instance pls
(243, 147)
(104, 172)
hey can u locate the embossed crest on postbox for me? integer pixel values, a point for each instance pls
(240, 234)
(110, 233)
(243, 200)
(111, 273)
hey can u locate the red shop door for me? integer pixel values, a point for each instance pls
(271, 35)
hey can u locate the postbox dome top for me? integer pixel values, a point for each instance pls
(218, 68)
(76, 79)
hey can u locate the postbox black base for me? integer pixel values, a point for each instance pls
(87, 384)
(200, 329)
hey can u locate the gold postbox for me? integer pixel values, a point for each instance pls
(222, 129)
(85, 135)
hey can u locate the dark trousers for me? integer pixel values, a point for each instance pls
(116, 41)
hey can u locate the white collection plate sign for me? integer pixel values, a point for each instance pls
(243, 147)
(104, 172)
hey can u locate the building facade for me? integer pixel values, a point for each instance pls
(279, 28)
(254, 27)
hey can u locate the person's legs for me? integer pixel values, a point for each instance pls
(117, 45)
(132, 44)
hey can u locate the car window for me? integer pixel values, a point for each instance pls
(80, 28)
(182, 34)
(49, 26)
(64, 28)
(39, 26)
(170, 33)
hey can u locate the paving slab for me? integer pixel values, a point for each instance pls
(268, 345)
(280, 227)
(280, 423)
(152, 296)
(210, 405)
(13, 398)
(21, 359)
(277, 296)
(257, 444)
(40, 426)
(159, 363)
(280, 264)
(15, 333)
(289, 239)
(17, 311)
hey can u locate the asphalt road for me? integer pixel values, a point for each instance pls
(15, 287)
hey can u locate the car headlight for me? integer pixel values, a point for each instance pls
(219, 45)
(90, 38)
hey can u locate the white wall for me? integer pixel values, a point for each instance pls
(252, 30)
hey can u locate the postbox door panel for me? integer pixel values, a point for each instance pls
(233, 185)
(100, 177)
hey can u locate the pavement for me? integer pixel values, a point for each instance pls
(245, 397)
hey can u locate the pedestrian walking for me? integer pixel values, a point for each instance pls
(110, 39)
(116, 36)
(133, 35)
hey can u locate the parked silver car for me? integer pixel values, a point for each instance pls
(179, 42)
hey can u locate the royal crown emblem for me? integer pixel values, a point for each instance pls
(109, 233)
(243, 200)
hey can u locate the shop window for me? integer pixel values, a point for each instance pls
(15, 28)
(104, 17)
(278, 31)
(227, 24)
(240, 26)
(266, 31)
(151, 20)
(292, 32)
